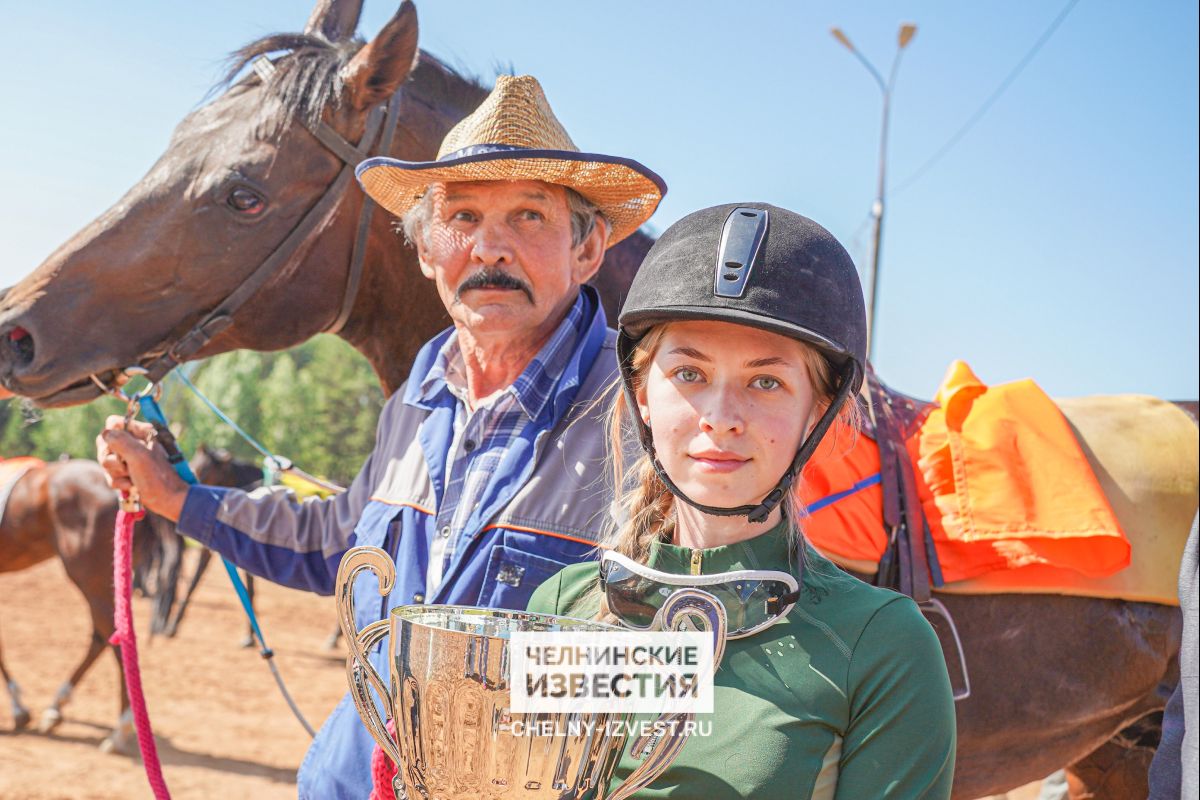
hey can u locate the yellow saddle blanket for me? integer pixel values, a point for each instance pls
(1023, 495)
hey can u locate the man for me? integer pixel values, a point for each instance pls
(483, 480)
(1174, 770)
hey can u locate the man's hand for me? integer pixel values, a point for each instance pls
(132, 459)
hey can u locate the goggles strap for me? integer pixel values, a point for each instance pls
(776, 605)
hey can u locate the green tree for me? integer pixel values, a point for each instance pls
(16, 429)
(317, 404)
(49, 434)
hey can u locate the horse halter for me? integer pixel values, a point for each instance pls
(381, 124)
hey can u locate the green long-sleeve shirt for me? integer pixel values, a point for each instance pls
(847, 697)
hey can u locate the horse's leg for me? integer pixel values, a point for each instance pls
(146, 568)
(122, 740)
(169, 545)
(26, 538)
(1119, 767)
(85, 512)
(52, 716)
(248, 641)
(19, 711)
(331, 641)
(201, 565)
(87, 556)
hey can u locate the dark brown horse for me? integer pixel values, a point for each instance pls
(239, 175)
(66, 509)
(1055, 678)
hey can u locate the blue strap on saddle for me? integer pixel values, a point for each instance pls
(829, 500)
(153, 414)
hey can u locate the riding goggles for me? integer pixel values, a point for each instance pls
(753, 599)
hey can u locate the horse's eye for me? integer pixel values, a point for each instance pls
(246, 201)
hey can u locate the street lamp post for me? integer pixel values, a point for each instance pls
(905, 35)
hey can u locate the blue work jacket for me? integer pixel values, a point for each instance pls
(546, 506)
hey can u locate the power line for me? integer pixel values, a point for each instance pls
(987, 104)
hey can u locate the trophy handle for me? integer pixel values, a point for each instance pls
(359, 672)
(685, 609)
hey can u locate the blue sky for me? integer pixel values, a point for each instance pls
(1057, 240)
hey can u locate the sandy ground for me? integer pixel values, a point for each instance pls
(223, 731)
(222, 728)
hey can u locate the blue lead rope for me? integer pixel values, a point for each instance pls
(221, 415)
(273, 463)
(153, 414)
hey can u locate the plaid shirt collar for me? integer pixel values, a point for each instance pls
(534, 387)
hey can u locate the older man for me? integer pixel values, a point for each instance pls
(484, 480)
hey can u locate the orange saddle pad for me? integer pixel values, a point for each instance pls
(1002, 480)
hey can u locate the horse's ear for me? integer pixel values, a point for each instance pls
(378, 69)
(334, 20)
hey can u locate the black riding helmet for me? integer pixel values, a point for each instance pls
(757, 265)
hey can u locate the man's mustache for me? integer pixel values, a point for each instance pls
(492, 278)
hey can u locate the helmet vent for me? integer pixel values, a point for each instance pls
(741, 239)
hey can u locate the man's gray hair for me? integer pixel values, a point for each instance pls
(583, 217)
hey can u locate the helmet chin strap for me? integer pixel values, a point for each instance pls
(761, 511)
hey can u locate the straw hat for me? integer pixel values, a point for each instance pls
(515, 136)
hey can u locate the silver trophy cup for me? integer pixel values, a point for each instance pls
(448, 693)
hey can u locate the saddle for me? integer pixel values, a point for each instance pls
(910, 563)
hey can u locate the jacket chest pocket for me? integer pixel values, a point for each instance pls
(377, 521)
(512, 575)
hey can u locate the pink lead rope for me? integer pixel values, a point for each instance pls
(126, 639)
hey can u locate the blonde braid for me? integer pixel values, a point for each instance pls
(651, 514)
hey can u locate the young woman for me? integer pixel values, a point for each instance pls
(741, 341)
